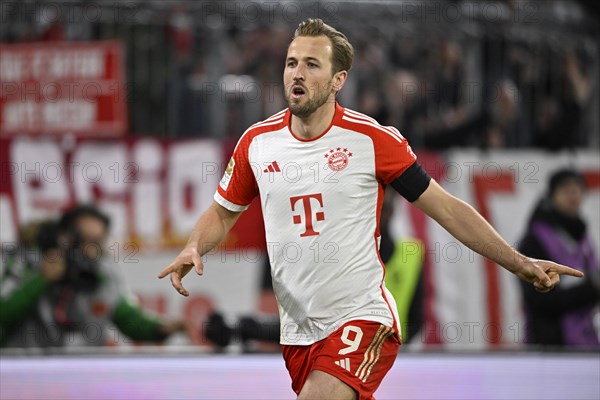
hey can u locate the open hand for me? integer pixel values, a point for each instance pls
(183, 263)
(544, 275)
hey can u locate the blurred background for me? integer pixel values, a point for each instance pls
(133, 109)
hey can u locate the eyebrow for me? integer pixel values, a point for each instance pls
(305, 59)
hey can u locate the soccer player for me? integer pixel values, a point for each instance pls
(320, 171)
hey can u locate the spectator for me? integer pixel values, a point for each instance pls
(563, 317)
(63, 293)
(487, 129)
(559, 122)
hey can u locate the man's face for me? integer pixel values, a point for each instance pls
(93, 236)
(308, 74)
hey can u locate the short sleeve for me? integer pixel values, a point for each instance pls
(238, 185)
(393, 154)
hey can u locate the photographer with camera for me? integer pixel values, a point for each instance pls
(58, 291)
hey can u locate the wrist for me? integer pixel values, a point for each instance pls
(201, 247)
(193, 242)
(517, 262)
(192, 247)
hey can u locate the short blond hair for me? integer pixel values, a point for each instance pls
(343, 53)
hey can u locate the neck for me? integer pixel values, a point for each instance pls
(314, 124)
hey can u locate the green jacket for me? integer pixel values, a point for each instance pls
(36, 313)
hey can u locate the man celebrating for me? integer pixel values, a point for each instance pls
(320, 171)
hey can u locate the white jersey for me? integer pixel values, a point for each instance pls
(321, 201)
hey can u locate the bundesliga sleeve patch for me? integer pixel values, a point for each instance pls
(227, 175)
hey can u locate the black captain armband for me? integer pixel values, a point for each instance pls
(412, 183)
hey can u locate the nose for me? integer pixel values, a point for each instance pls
(298, 73)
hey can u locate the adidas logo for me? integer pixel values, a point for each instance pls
(273, 167)
(344, 363)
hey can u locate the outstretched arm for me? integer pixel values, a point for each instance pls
(468, 226)
(209, 231)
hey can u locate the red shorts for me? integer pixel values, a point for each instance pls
(359, 354)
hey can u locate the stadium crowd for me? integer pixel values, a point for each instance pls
(445, 73)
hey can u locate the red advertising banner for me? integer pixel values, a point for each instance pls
(153, 190)
(62, 87)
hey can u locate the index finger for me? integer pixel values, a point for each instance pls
(564, 270)
(166, 271)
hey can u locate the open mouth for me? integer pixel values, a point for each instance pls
(298, 92)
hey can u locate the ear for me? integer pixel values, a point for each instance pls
(339, 79)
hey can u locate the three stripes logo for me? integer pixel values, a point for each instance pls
(372, 354)
(344, 363)
(273, 167)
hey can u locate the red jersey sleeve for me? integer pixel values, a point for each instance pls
(238, 186)
(393, 154)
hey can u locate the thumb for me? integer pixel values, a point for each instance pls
(541, 276)
(198, 266)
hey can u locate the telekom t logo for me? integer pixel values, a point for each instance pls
(308, 213)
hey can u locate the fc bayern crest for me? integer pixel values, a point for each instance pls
(338, 158)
